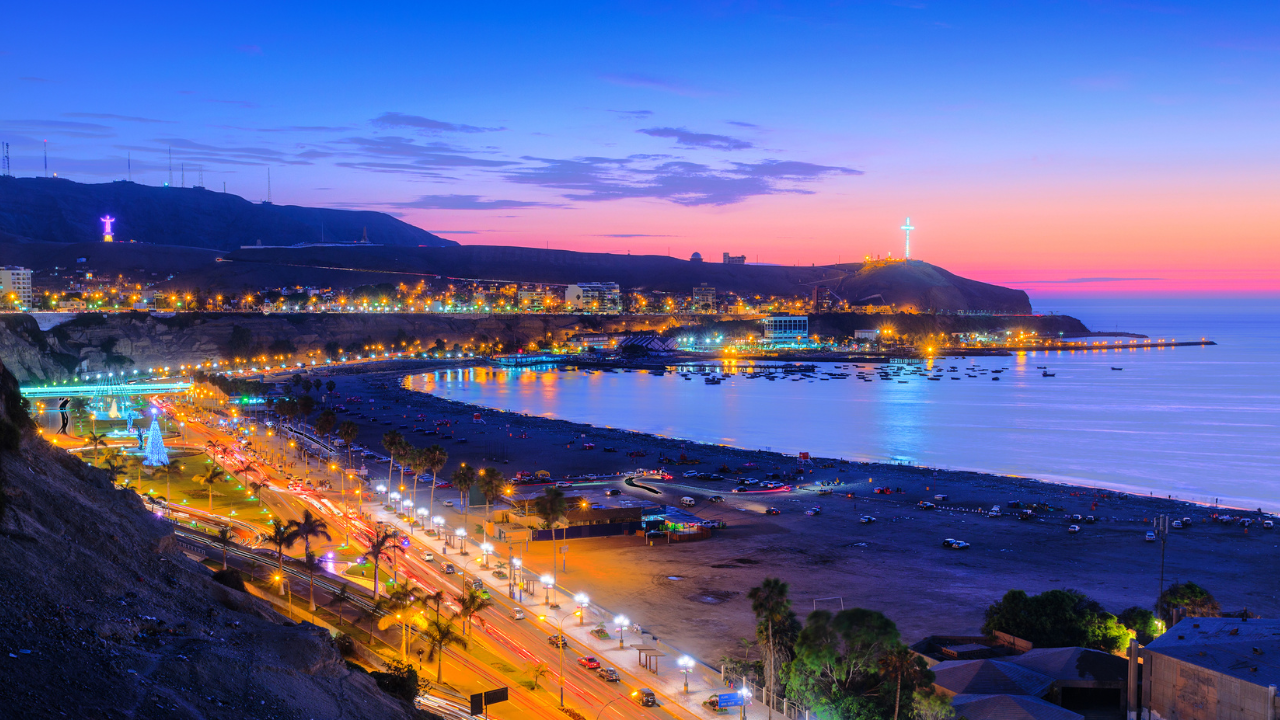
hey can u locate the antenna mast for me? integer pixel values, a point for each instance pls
(170, 183)
(268, 185)
(129, 160)
(46, 158)
(7, 170)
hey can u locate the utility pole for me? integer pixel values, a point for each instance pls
(1162, 533)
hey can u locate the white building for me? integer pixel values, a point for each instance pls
(594, 296)
(15, 286)
(786, 327)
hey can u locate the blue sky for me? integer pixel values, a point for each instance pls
(800, 132)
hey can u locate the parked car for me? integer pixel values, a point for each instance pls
(608, 674)
(1089, 519)
(558, 641)
(813, 511)
(716, 498)
(924, 505)
(773, 511)
(1177, 524)
(1073, 529)
(943, 498)
(448, 503)
(691, 473)
(589, 662)
(1151, 536)
(866, 519)
(1268, 524)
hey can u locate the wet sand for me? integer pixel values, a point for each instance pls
(695, 593)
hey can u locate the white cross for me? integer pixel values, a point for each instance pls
(106, 224)
(908, 228)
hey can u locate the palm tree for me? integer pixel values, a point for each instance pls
(904, 667)
(434, 458)
(213, 475)
(463, 478)
(537, 671)
(226, 538)
(436, 597)
(400, 601)
(281, 535)
(392, 442)
(310, 527)
(168, 471)
(326, 422)
(470, 603)
(552, 507)
(95, 441)
(441, 634)
(348, 431)
(379, 548)
(257, 488)
(770, 604)
(115, 470)
(491, 483)
(340, 598)
(376, 610)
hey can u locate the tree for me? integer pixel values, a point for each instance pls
(536, 672)
(240, 345)
(95, 441)
(399, 604)
(326, 422)
(903, 667)
(305, 530)
(774, 619)
(340, 597)
(379, 548)
(463, 478)
(470, 603)
(306, 406)
(213, 475)
(115, 469)
(330, 386)
(1189, 599)
(392, 441)
(491, 483)
(837, 658)
(1142, 622)
(169, 472)
(281, 535)
(433, 458)
(928, 705)
(1056, 618)
(441, 634)
(348, 431)
(398, 680)
(226, 538)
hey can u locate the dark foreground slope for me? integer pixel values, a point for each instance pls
(62, 211)
(102, 617)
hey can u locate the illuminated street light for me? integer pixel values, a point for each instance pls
(547, 582)
(582, 600)
(621, 622)
(686, 666)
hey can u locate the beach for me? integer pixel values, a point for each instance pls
(695, 593)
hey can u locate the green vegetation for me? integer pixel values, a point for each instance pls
(1189, 599)
(398, 680)
(1056, 618)
(1142, 622)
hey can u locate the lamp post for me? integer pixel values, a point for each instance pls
(461, 534)
(547, 582)
(561, 644)
(422, 518)
(621, 622)
(686, 666)
(517, 566)
(437, 522)
(583, 600)
(485, 549)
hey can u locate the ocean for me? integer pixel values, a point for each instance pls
(1195, 423)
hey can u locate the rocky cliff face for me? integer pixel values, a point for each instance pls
(103, 617)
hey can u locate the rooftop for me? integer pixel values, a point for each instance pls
(1009, 707)
(1244, 649)
(989, 677)
(1075, 666)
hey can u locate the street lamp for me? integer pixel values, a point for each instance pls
(485, 549)
(437, 522)
(686, 666)
(582, 600)
(422, 515)
(560, 646)
(517, 566)
(547, 582)
(461, 534)
(621, 622)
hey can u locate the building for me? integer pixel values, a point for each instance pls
(735, 259)
(696, 257)
(650, 343)
(594, 296)
(1211, 669)
(704, 298)
(866, 334)
(15, 286)
(786, 327)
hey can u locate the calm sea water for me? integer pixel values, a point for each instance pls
(1198, 423)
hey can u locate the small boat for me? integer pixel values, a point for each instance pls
(902, 382)
(1046, 373)
(996, 377)
(1116, 368)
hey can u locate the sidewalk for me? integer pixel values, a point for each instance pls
(667, 682)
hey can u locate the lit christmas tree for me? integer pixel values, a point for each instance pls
(155, 453)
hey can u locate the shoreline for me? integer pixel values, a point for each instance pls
(782, 459)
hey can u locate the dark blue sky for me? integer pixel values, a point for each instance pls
(794, 131)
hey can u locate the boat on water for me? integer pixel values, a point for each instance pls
(1116, 368)
(1046, 373)
(711, 380)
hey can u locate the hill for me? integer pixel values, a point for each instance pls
(62, 211)
(103, 616)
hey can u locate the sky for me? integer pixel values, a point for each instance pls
(1066, 148)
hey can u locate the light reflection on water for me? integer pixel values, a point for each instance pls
(1197, 423)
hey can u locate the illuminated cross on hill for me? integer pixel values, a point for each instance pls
(908, 228)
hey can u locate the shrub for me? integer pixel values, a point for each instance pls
(399, 680)
(346, 645)
(231, 578)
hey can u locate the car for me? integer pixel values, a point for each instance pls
(739, 490)
(813, 511)
(691, 473)
(925, 505)
(448, 568)
(1089, 519)
(716, 498)
(608, 674)
(1268, 524)
(959, 545)
(645, 697)
(564, 484)
(824, 491)
(448, 503)
(612, 492)
(1177, 524)
(773, 511)
(943, 498)
(558, 641)
(517, 614)
(1151, 536)
(428, 556)
(948, 542)
(1073, 529)
(1076, 518)
(866, 519)
(589, 662)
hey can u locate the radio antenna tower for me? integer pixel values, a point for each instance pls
(182, 174)
(7, 169)
(46, 158)
(129, 161)
(268, 185)
(170, 183)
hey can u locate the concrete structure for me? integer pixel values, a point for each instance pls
(15, 286)
(1211, 669)
(594, 296)
(786, 327)
(735, 259)
(704, 295)
(866, 334)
